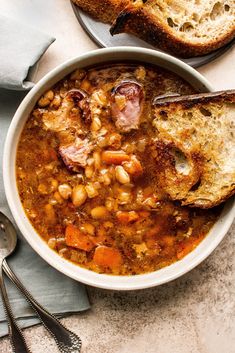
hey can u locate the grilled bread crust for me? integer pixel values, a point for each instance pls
(176, 26)
(194, 149)
(103, 10)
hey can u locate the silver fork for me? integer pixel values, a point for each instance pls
(67, 341)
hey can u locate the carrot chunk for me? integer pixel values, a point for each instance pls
(114, 157)
(133, 167)
(75, 238)
(127, 217)
(105, 256)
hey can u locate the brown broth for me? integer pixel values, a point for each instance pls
(138, 229)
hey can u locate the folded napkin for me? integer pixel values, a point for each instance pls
(58, 293)
(21, 46)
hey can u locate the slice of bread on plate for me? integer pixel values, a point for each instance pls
(103, 10)
(181, 27)
(194, 148)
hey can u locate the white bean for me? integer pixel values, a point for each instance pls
(88, 228)
(96, 124)
(91, 190)
(79, 195)
(58, 198)
(121, 175)
(56, 102)
(99, 212)
(106, 179)
(49, 95)
(65, 191)
(46, 99)
(52, 243)
(97, 159)
(89, 171)
(124, 198)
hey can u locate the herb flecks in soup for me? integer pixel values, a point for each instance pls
(87, 179)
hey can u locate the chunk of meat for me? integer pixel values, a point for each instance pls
(77, 95)
(80, 98)
(75, 238)
(105, 256)
(75, 155)
(60, 119)
(127, 105)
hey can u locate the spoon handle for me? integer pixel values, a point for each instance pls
(16, 337)
(67, 341)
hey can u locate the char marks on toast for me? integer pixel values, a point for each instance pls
(103, 10)
(194, 147)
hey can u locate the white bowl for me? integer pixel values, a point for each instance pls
(101, 280)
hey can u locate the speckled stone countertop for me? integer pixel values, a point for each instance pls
(194, 314)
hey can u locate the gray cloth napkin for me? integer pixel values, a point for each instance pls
(21, 46)
(58, 293)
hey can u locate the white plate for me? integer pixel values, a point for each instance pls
(99, 32)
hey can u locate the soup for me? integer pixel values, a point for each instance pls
(87, 178)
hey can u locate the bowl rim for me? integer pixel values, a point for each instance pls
(74, 271)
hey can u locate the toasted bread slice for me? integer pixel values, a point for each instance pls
(181, 27)
(194, 149)
(103, 10)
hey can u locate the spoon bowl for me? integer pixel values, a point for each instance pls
(8, 237)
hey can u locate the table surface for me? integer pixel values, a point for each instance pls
(194, 314)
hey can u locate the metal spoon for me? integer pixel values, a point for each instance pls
(67, 341)
(7, 246)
